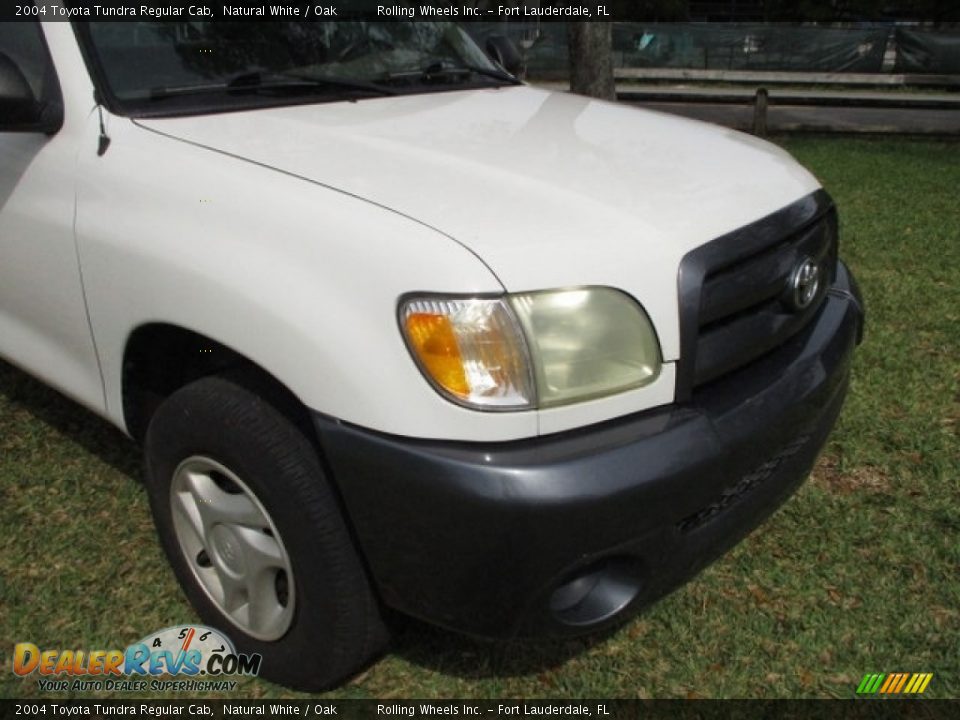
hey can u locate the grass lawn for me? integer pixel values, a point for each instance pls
(859, 572)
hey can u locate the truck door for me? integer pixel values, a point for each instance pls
(43, 318)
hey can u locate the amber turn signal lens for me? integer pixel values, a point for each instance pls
(471, 349)
(435, 344)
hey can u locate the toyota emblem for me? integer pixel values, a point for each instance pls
(804, 284)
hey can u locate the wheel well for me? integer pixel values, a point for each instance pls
(160, 359)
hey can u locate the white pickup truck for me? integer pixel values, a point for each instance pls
(397, 330)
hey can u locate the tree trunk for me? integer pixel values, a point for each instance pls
(591, 59)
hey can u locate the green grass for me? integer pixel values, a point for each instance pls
(860, 572)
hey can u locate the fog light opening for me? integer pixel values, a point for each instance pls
(597, 593)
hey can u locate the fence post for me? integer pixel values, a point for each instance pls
(760, 113)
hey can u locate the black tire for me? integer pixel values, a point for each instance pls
(336, 626)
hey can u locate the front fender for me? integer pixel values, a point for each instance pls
(301, 279)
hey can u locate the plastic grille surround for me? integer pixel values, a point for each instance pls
(735, 292)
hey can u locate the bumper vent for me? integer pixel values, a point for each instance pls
(731, 495)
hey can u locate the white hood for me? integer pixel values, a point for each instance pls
(548, 189)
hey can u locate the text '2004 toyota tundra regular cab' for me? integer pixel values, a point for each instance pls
(397, 330)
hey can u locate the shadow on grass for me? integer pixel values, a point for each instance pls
(416, 642)
(73, 421)
(470, 658)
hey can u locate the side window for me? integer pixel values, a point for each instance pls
(23, 43)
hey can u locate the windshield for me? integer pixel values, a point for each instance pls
(176, 67)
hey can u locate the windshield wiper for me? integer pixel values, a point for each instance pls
(443, 71)
(257, 82)
(488, 72)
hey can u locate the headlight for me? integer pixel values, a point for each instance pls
(587, 343)
(531, 350)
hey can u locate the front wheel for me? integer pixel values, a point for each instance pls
(256, 537)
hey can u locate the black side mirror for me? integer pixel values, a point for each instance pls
(20, 111)
(502, 51)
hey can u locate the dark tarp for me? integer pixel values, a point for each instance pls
(712, 46)
(923, 51)
(751, 47)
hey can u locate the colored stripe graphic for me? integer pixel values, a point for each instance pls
(914, 683)
(900, 683)
(894, 683)
(891, 678)
(870, 683)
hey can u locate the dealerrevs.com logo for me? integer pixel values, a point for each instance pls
(201, 657)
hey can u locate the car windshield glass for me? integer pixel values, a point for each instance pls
(158, 67)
